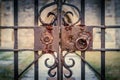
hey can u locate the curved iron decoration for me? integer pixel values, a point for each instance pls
(69, 12)
(55, 16)
(51, 67)
(50, 13)
(63, 18)
(67, 67)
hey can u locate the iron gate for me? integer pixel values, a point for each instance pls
(65, 36)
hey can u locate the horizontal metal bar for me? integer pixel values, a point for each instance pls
(19, 27)
(40, 50)
(32, 27)
(115, 26)
(5, 50)
(104, 50)
(112, 26)
(96, 26)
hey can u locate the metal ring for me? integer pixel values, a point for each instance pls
(81, 44)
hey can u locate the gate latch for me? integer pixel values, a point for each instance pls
(83, 40)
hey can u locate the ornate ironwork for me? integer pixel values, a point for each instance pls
(74, 34)
(63, 2)
(51, 67)
(68, 66)
(74, 40)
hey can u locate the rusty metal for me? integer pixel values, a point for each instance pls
(42, 32)
(71, 38)
(83, 40)
(65, 36)
(49, 38)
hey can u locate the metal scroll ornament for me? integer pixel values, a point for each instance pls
(81, 42)
(55, 18)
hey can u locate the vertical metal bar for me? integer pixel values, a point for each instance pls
(82, 66)
(83, 53)
(103, 39)
(15, 40)
(0, 19)
(36, 67)
(59, 67)
(83, 12)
